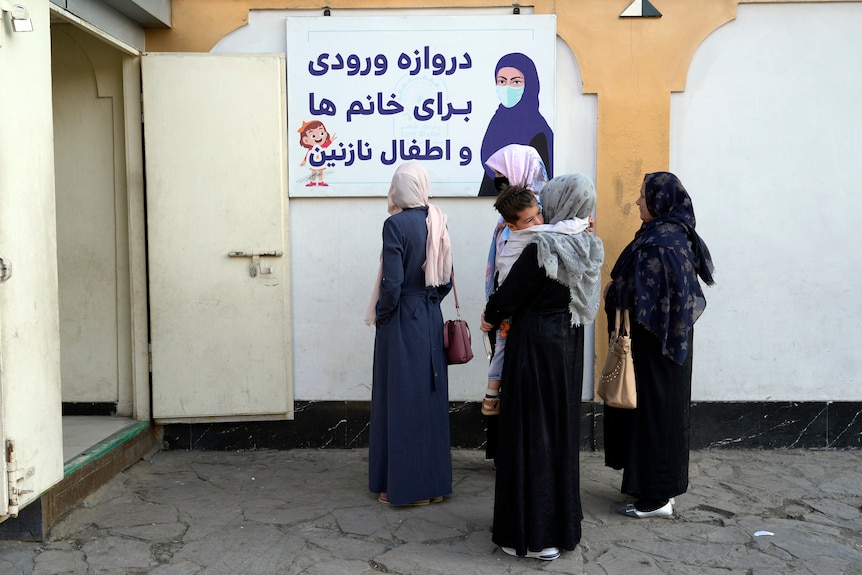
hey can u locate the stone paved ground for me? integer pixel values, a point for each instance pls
(309, 512)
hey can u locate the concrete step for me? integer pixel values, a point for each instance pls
(82, 475)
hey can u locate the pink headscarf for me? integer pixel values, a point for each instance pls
(522, 166)
(409, 189)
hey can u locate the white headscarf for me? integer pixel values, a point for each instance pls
(409, 189)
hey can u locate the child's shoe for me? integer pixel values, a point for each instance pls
(491, 405)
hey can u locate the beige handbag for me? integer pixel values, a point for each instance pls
(617, 382)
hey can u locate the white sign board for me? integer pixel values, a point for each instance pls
(366, 94)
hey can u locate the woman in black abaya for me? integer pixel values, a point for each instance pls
(656, 278)
(552, 291)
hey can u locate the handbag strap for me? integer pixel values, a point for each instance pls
(455, 291)
(626, 325)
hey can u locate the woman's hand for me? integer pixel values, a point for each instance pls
(484, 325)
(607, 287)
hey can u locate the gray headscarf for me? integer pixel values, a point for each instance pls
(573, 260)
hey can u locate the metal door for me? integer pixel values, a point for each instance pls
(31, 427)
(217, 214)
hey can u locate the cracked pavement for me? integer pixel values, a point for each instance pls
(309, 512)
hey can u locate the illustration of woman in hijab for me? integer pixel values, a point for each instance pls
(517, 119)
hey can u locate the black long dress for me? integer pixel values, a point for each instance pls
(537, 500)
(651, 443)
(657, 277)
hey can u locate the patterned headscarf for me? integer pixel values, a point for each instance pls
(573, 260)
(656, 275)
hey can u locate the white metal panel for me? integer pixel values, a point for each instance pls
(30, 405)
(215, 141)
(4, 487)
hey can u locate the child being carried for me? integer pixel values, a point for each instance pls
(522, 214)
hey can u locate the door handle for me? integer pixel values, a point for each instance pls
(255, 268)
(5, 269)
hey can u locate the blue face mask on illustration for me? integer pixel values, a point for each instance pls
(509, 96)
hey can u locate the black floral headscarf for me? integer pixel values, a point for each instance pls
(656, 276)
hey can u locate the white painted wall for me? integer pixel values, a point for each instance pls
(335, 242)
(92, 236)
(767, 138)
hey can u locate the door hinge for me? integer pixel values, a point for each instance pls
(14, 476)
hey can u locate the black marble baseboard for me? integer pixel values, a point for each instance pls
(27, 526)
(344, 425)
(89, 408)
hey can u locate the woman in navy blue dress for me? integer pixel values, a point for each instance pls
(409, 459)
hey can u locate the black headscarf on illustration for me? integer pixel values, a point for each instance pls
(520, 124)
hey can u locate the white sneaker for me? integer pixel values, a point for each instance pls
(546, 554)
(631, 511)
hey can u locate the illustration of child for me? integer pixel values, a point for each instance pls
(523, 216)
(312, 135)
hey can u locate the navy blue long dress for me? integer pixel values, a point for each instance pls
(409, 454)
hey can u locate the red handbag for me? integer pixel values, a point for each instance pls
(456, 335)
